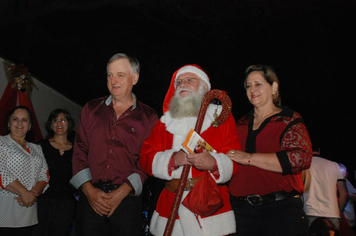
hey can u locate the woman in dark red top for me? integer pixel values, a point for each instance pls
(265, 192)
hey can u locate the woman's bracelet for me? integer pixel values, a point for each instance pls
(249, 159)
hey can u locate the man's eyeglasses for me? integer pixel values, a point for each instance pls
(61, 120)
(187, 81)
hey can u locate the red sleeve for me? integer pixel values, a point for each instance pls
(158, 141)
(172, 164)
(296, 154)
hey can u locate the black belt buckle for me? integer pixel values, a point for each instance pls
(106, 187)
(254, 199)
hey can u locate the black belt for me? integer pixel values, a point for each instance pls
(256, 200)
(106, 187)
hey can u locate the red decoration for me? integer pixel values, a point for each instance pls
(18, 93)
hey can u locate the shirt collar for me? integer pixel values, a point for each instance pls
(109, 100)
(8, 140)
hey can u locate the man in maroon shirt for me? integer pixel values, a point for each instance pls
(106, 154)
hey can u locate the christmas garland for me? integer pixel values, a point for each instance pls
(19, 77)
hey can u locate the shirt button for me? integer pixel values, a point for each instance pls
(112, 138)
(133, 130)
(110, 151)
(108, 166)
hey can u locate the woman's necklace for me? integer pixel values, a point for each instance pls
(61, 147)
(22, 144)
(260, 120)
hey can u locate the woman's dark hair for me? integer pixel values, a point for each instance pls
(12, 110)
(321, 227)
(269, 75)
(53, 115)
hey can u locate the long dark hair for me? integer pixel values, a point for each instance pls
(53, 115)
(321, 227)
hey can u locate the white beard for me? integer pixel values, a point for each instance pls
(188, 106)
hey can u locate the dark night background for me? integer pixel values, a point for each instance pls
(311, 44)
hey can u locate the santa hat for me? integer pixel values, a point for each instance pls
(192, 68)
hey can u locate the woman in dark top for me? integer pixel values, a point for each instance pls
(57, 206)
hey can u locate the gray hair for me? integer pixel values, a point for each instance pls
(135, 65)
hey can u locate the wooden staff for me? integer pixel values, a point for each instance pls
(224, 115)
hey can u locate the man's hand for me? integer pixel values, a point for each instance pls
(97, 199)
(117, 196)
(201, 161)
(180, 158)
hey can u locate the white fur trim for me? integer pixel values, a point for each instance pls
(225, 166)
(222, 224)
(195, 70)
(160, 165)
(216, 225)
(179, 128)
(158, 225)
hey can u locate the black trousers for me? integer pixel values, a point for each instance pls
(281, 218)
(126, 220)
(55, 217)
(23, 231)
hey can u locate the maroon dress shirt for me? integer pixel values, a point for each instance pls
(110, 146)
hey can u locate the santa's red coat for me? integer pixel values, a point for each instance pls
(166, 137)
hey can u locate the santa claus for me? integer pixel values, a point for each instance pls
(162, 157)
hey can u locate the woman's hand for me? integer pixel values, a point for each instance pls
(239, 157)
(26, 199)
(38, 188)
(266, 161)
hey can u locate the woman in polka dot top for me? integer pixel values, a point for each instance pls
(23, 175)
